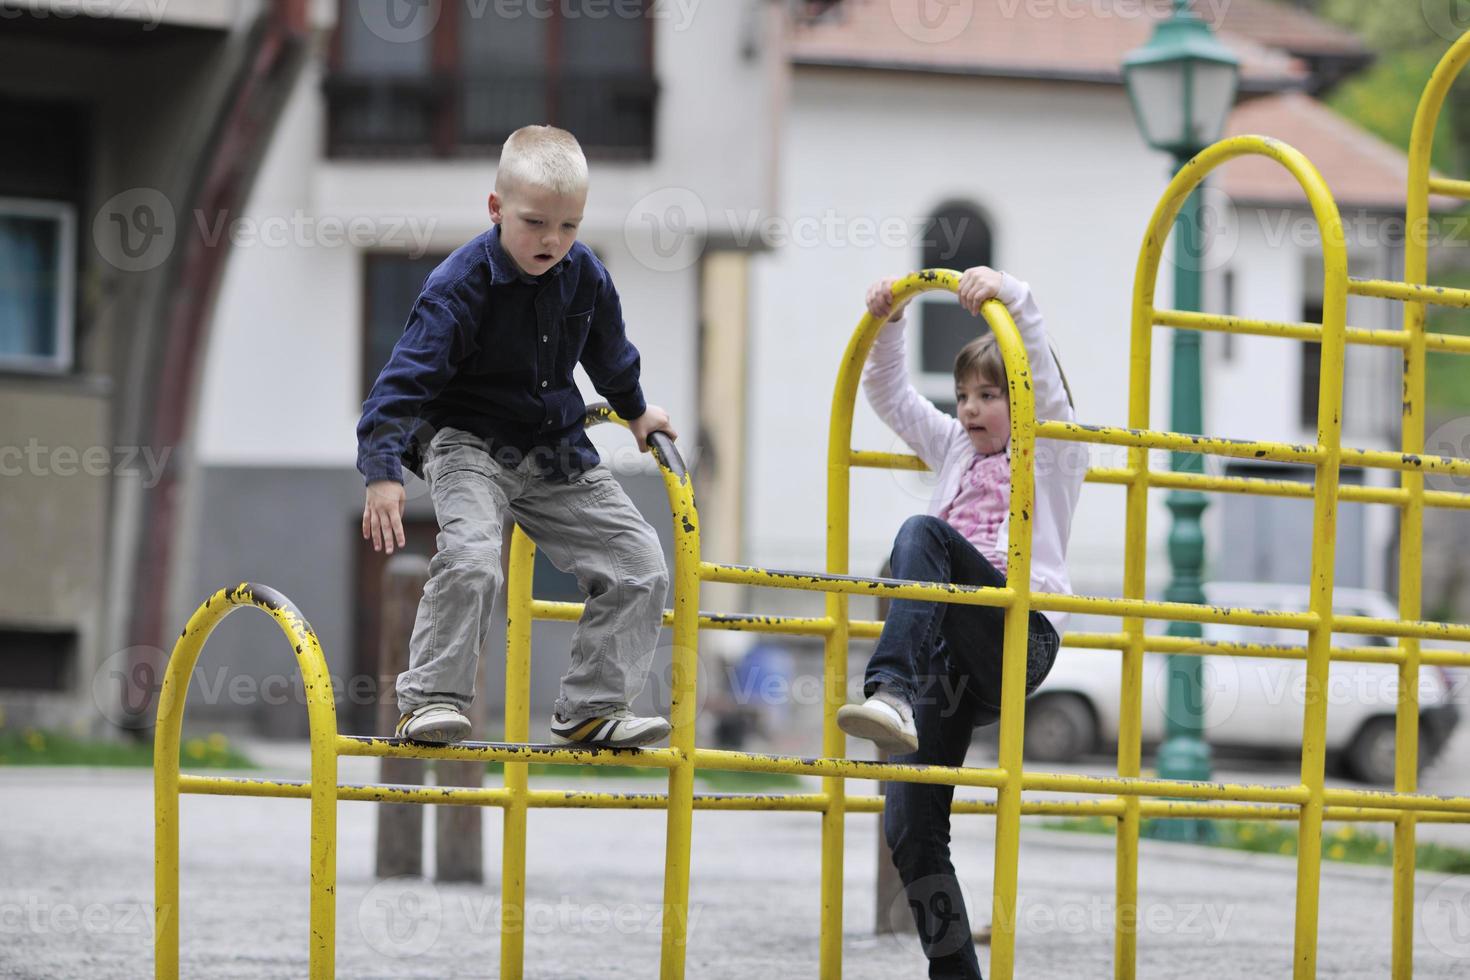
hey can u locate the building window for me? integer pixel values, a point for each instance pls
(461, 81)
(956, 237)
(391, 285)
(37, 270)
(1311, 368)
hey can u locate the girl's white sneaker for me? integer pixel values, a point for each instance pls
(885, 719)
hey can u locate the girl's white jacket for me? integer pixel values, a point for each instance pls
(942, 443)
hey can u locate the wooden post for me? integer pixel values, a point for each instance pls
(400, 825)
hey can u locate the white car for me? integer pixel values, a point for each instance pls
(1249, 702)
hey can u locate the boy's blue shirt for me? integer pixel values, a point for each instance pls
(489, 350)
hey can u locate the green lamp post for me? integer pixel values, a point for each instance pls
(1182, 85)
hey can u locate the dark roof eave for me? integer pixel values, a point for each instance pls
(1248, 86)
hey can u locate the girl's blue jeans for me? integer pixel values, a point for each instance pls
(946, 660)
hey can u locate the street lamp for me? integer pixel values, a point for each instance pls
(1182, 85)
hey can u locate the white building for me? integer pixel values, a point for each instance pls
(751, 174)
(1019, 131)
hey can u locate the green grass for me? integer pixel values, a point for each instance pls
(1347, 843)
(713, 779)
(36, 747)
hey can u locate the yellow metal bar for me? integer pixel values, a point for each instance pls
(1410, 291)
(1447, 342)
(1135, 557)
(1275, 488)
(682, 712)
(517, 729)
(1216, 322)
(1407, 462)
(886, 461)
(1440, 185)
(570, 612)
(368, 745)
(728, 761)
(321, 713)
(1182, 611)
(1411, 516)
(833, 583)
(1324, 542)
(1014, 644)
(1283, 452)
(1424, 808)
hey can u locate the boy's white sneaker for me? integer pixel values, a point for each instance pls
(438, 723)
(617, 729)
(885, 719)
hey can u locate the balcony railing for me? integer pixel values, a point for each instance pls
(611, 114)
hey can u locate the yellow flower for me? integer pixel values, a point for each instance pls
(1382, 847)
(218, 742)
(1247, 833)
(1336, 852)
(35, 740)
(194, 748)
(1286, 847)
(1344, 833)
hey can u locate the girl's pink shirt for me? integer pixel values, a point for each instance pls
(944, 445)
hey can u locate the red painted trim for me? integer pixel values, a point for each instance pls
(228, 170)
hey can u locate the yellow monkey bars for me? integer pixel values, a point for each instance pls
(1126, 797)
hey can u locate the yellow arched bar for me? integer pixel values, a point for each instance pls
(1018, 610)
(1411, 514)
(1327, 453)
(321, 713)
